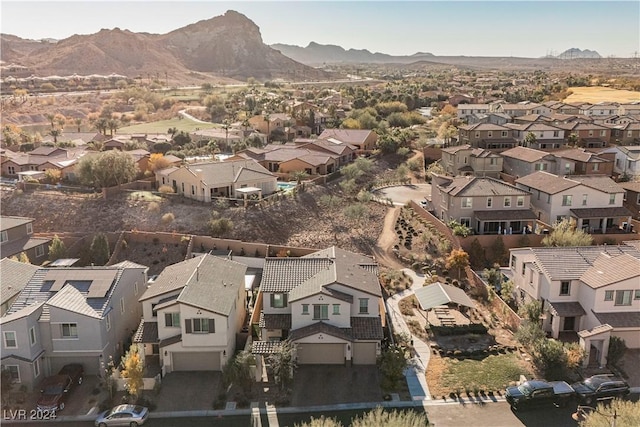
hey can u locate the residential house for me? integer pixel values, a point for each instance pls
(493, 118)
(465, 160)
(589, 135)
(546, 136)
(192, 313)
(71, 315)
(632, 197)
(267, 123)
(627, 160)
(209, 180)
(589, 291)
(593, 201)
(41, 159)
(488, 136)
(558, 107)
(467, 110)
(364, 140)
(15, 276)
(224, 138)
(578, 161)
(486, 205)
(522, 161)
(632, 108)
(524, 108)
(600, 109)
(16, 236)
(328, 304)
(626, 133)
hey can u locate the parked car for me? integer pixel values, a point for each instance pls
(600, 387)
(536, 393)
(53, 392)
(123, 415)
(75, 371)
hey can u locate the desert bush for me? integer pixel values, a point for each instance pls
(154, 207)
(168, 218)
(166, 189)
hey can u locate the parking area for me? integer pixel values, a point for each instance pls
(401, 194)
(188, 391)
(333, 384)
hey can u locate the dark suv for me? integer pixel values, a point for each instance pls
(600, 387)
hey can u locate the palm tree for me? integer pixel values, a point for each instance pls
(172, 131)
(226, 125)
(267, 118)
(283, 364)
(299, 176)
(113, 125)
(78, 123)
(51, 119)
(55, 133)
(101, 125)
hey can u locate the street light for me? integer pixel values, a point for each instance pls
(582, 412)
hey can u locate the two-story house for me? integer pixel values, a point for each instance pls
(192, 313)
(546, 135)
(578, 161)
(209, 180)
(328, 304)
(632, 197)
(592, 291)
(594, 201)
(465, 160)
(486, 205)
(522, 161)
(627, 160)
(71, 315)
(488, 136)
(16, 236)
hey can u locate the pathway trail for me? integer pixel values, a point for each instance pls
(383, 251)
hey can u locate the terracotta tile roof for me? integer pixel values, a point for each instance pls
(275, 321)
(622, 319)
(566, 309)
(547, 182)
(321, 328)
(598, 182)
(469, 186)
(14, 276)
(607, 270)
(366, 328)
(526, 154)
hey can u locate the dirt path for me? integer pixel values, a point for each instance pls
(383, 249)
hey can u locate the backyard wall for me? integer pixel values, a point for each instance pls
(509, 317)
(146, 184)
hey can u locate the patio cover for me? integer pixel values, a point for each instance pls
(248, 190)
(566, 309)
(613, 212)
(440, 294)
(506, 215)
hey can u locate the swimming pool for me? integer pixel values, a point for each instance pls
(285, 186)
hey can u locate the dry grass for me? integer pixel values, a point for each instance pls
(597, 94)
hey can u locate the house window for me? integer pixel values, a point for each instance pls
(29, 228)
(122, 305)
(305, 308)
(490, 134)
(556, 133)
(584, 200)
(467, 202)
(193, 190)
(14, 371)
(512, 264)
(364, 305)
(548, 198)
(278, 300)
(36, 368)
(565, 288)
(566, 200)
(489, 201)
(135, 288)
(608, 295)
(523, 268)
(69, 330)
(477, 134)
(541, 166)
(12, 170)
(465, 221)
(596, 167)
(612, 199)
(623, 298)
(200, 326)
(320, 311)
(336, 309)
(503, 134)
(39, 251)
(10, 339)
(108, 321)
(638, 201)
(32, 336)
(172, 320)
(507, 202)
(182, 184)
(567, 168)
(636, 294)
(520, 201)
(493, 161)
(3, 236)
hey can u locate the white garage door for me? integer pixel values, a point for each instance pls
(201, 361)
(364, 353)
(320, 354)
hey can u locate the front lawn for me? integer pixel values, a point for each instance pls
(493, 373)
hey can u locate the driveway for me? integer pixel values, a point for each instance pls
(333, 384)
(401, 194)
(188, 391)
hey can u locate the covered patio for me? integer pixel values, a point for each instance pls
(507, 221)
(603, 220)
(563, 317)
(438, 297)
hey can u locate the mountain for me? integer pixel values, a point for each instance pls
(229, 45)
(316, 54)
(575, 53)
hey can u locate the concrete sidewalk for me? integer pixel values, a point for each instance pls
(416, 371)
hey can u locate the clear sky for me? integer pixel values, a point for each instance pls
(472, 28)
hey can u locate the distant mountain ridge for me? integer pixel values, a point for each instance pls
(229, 45)
(316, 54)
(575, 53)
